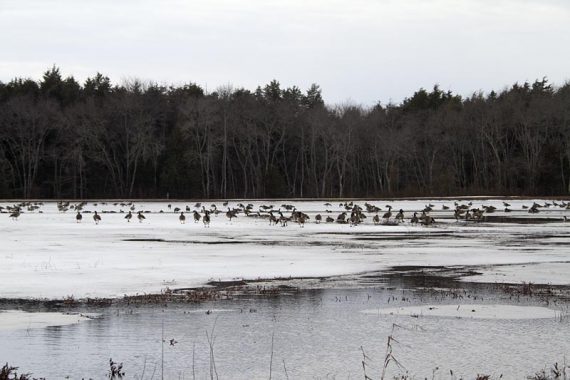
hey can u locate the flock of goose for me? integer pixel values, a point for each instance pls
(350, 213)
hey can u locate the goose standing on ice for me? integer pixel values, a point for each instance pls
(129, 216)
(206, 218)
(182, 218)
(141, 217)
(96, 218)
(388, 214)
(15, 214)
(376, 219)
(400, 216)
(78, 217)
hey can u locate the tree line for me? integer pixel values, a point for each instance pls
(63, 139)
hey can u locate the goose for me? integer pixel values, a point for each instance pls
(78, 217)
(388, 214)
(330, 219)
(231, 214)
(96, 218)
(376, 219)
(197, 216)
(15, 214)
(400, 216)
(182, 218)
(129, 216)
(301, 219)
(414, 219)
(354, 219)
(318, 218)
(141, 217)
(206, 219)
(272, 219)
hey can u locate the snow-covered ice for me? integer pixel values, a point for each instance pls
(18, 319)
(49, 255)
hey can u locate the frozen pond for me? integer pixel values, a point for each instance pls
(439, 284)
(316, 334)
(49, 255)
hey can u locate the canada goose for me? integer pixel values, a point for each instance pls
(376, 219)
(506, 204)
(129, 216)
(96, 218)
(182, 218)
(341, 218)
(197, 216)
(206, 219)
(444, 207)
(301, 218)
(231, 214)
(176, 209)
(330, 219)
(187, 208)
(400, 216)
(388, 214)
(354, 219)
(272, 219)
(318, 218)
(414, 219)
(507, 209)
(15, 214)
(78, 217)
(283, 219)
(141, 217)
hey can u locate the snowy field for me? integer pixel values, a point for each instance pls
(46, 254)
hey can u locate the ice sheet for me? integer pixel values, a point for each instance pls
(49, 255)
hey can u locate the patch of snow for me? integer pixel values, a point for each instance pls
(19, 320)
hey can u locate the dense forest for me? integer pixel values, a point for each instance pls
(63, 139)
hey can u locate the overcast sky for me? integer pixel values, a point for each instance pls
(362, 51)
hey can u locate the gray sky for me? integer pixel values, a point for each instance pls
(362, 51)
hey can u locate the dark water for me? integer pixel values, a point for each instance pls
(317, 334)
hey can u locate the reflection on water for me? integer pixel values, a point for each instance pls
(317, 334)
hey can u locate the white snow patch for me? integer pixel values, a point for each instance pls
(18, 319)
